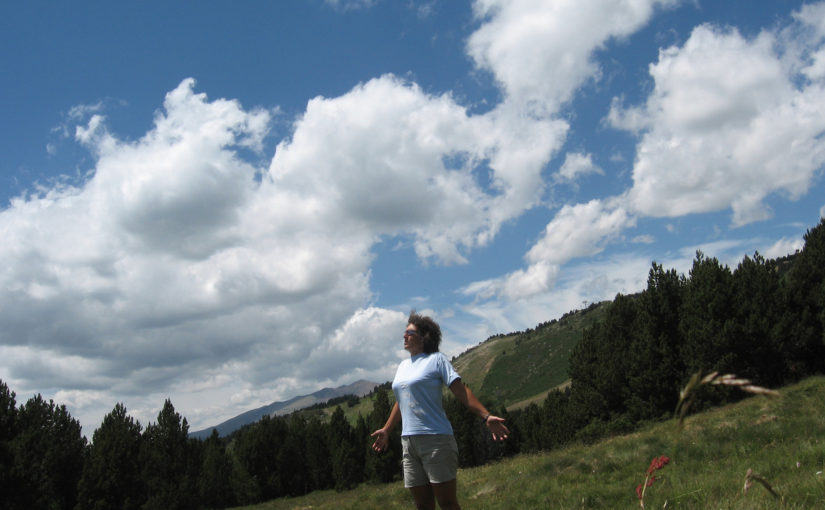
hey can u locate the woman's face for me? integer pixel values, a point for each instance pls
(413, 342)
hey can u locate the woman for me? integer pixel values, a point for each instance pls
(430, 454)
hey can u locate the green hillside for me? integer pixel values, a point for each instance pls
(521, 366)
(781, 440)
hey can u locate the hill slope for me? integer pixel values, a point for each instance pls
(780, 440)
(520, 366)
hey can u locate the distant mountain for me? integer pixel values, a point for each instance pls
(359, 388)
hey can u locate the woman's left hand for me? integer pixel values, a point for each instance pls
(497, 428)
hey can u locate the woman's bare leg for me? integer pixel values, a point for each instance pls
(445, 493)
(423, 497)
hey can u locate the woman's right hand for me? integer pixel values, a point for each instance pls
(381, 440)
(497, 428)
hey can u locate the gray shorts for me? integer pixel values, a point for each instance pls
(429, 459)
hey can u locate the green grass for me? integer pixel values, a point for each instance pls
(782, 439)
(541, 363)
(475, 363)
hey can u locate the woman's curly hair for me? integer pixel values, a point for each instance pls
(428, 329)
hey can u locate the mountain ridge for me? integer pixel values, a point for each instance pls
(359, 388)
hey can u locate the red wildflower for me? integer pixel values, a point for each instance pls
(657, 463)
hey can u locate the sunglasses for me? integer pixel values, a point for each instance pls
(410, 332)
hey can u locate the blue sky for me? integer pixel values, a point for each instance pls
(232, 203)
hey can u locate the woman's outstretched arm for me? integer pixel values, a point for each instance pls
(494, 423)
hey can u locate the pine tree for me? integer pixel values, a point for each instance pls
(49, 450)
(360, 434)
(600, 368)
(317, 455)
(529, 422)
(383, 466)
(8, 430)
(111, 476)
(257, 448)
(166, 462)
(706, 317)
(291, 462)
(245, 487)
(655, 363)
(346, 471)
(214, 484)
(757, 307)
(556, 425)
(803, 325)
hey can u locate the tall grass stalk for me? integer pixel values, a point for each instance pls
(688, 394)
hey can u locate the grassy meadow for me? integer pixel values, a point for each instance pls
(781, 440)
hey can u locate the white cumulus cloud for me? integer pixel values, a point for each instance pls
(177, 262)
(541, 52)
(728, 124)
(576, 164)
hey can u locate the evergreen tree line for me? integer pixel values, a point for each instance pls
(764, 321)
(756, 321)
(46, 463)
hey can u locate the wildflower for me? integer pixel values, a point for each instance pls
(656, 464)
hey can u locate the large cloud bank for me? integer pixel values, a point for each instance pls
(184, 266)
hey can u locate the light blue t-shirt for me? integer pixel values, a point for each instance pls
(417, 387)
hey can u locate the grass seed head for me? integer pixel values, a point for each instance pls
(687, 394)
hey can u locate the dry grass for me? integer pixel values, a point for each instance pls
(688, 394)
